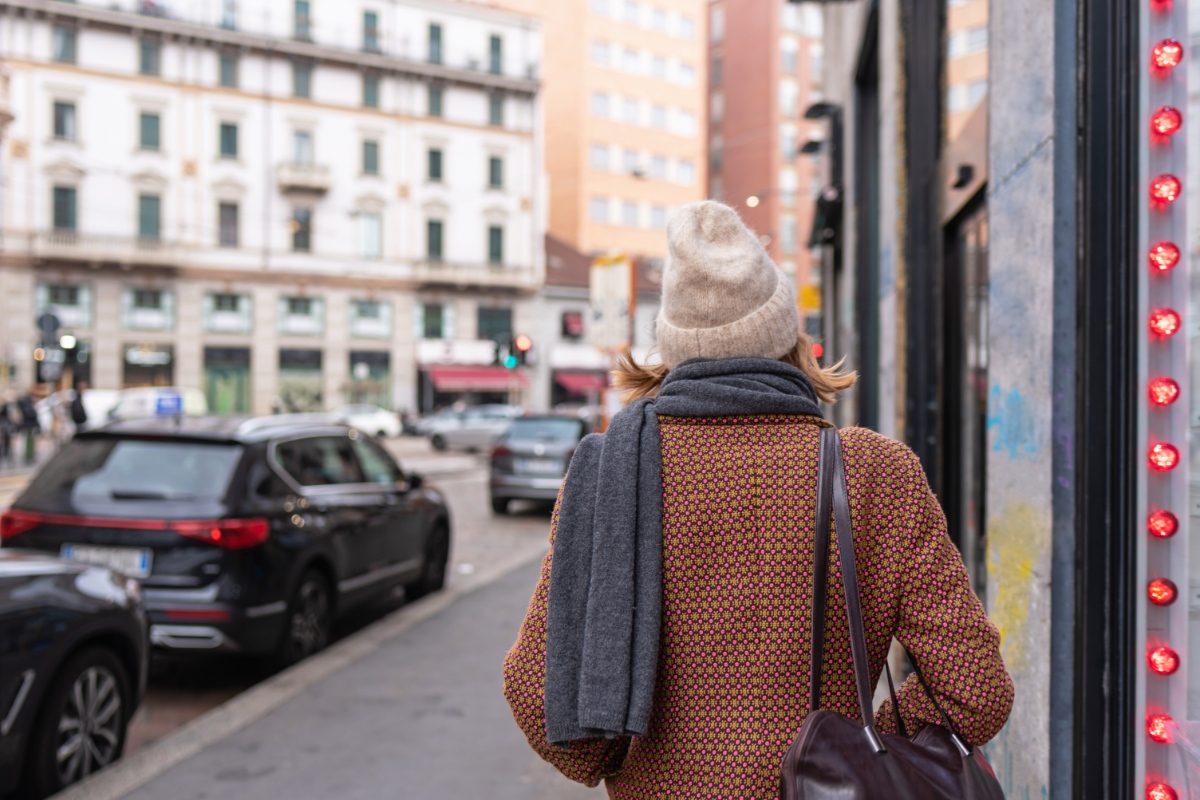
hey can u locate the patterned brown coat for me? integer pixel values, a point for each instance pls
(738, 504)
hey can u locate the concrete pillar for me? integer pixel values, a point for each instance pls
(264, 350)
(109, 341)
(189, 327)
(335, 361)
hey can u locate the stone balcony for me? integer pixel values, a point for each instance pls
(303, 178)
(95, 249)
(474, 274)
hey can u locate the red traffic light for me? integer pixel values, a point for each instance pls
(523, 343)
(1162, 591)
(1164, 256)
(1166, 121)
(1163, 660)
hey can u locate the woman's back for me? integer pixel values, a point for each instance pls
(738, 524)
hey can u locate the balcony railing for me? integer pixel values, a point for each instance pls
(299, 177)
(68, 245)
(457, 273)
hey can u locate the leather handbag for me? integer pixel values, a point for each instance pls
(834, 756)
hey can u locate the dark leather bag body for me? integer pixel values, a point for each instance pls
(837, 758)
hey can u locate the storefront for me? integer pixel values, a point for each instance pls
(148, 365)
(300, 382)
(227, 379)
(370, 378)
(1015, 290)
(465, 371)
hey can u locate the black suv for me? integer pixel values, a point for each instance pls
(247, 536)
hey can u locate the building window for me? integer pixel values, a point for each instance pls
(227, 70)
(494, 323)
(226, 302)
(687, 75)
(150, 58)
(629, 214)
(600, 104)
(371, 234)
(631, 61)
(495, 244)
(686, 28)
(716, 23)
(495, 172)
(64, 208)
(686, 172)
(716, 70)
(433, 321)
(658, 168)
(227, 224)
(787, 234)
(64, 121)
(370, 91)
(716, 106)
(495, 54)
(302, 20)
(433, 239)
(62, 294)
(658, 67)
(658, 217)
(571, 325)
(63, 44)
(598, 209)
(229, 14)
(149, 299)
(966, 96)
(788, 142)
(632, 12)
(228, 140)
(435, 43)
(302, 148)
(630, 162)
(789, 55)
(601, 53)
(967, 41)
(600, 7)
(299, 306)
(495, 109)
(631, 111)
(366, 309)
(370, 157)
(658, 117)
(599, 157)
(433, 165)
(149, 216)
(371, 31)
(301, 79)
(302, 230)
(658, 19)
(434, 100)
(148, 131)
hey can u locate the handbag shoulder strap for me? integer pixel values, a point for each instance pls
(831, 483)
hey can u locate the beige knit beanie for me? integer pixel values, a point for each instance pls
(722, 295)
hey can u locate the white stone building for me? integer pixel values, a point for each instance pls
(281, 202)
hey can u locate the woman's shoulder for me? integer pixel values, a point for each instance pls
(865, 449)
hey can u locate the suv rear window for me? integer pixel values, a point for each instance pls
(103, 472)
(561, 430)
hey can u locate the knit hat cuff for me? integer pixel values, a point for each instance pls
(770, 331)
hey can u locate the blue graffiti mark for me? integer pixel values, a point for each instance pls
(1016, 428)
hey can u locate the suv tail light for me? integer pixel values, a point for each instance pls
(500, 451)
(230, 534)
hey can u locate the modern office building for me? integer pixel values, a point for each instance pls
(287, 204)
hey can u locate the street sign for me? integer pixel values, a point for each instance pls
(48, 324)
(168, 404)
(611, 298)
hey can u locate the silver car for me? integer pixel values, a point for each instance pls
(531, 458)
(475, 428)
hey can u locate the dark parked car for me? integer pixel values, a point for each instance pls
(72, 669)
(530, 460)
(247, 536)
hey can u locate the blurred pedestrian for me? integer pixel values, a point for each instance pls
(673, 663)
(29, 425)
(8, 424)
(79, 416)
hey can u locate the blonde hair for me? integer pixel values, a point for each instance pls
(636, 381)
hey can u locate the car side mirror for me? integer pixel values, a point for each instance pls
(413, 482)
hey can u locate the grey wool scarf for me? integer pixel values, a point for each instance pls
(606, 574)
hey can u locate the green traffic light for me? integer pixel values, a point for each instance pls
(510, 362)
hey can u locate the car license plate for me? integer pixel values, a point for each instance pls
(537, 465)
(132, 561)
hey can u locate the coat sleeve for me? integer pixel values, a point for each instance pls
(944, 626)
(586, 761)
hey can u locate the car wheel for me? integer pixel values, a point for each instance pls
(381, 434)
(433, 573)
(309, 619)
(82, 724)
(438, 442)
(499, 505)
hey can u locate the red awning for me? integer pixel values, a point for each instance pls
(581, 383)
(477, 379)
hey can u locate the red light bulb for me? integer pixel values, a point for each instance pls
(1165, 322)
(1165, 189)
(1163, 660)
(1159, 726)
(1166, 121)
(1160, 791)
(1162, 591)
(1164, 256)
(818, 350)
(1164, 457)
(1162, 524)
(1167, 54)
(1163, 391)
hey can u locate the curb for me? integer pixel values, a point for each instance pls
(258, 701)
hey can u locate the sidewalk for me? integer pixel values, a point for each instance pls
(420, 717)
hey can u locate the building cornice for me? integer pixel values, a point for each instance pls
(267, 46)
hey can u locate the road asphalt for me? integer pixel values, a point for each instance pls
(419, 718)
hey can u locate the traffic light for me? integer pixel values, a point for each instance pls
(521, 346)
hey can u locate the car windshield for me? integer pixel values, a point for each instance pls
(101, 473)
(560, 430)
